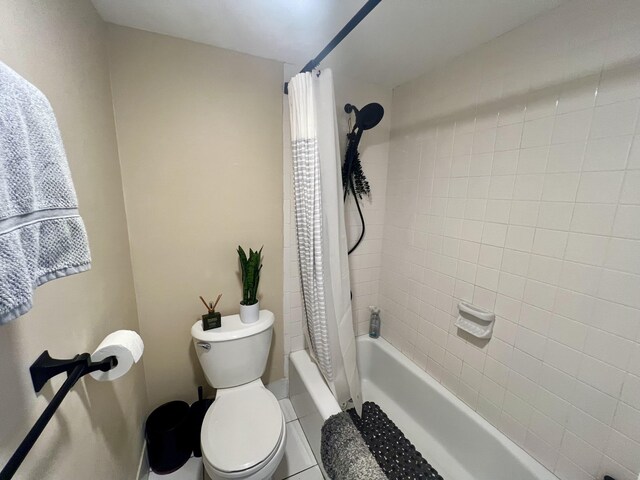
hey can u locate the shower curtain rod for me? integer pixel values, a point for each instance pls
(346, 30)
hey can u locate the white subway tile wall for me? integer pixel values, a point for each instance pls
(514, 183)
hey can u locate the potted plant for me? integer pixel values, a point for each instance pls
(250, 270)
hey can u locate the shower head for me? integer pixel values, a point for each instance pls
(368, 117)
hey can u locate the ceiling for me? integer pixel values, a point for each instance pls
(397, 42)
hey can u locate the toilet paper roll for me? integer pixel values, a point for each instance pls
(126, 346)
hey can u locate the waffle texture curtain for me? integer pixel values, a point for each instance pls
(321, 233)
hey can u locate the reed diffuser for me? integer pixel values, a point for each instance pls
(211, 319)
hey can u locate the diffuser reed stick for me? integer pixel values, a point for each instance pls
(213, 309)
(205, 304)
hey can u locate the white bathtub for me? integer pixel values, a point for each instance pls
(457, 441)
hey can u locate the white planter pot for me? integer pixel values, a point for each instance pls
(250, 313)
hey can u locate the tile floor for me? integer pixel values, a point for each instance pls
(298, 462)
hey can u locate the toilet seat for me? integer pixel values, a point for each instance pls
(242, 431)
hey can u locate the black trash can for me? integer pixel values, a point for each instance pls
(168, 440)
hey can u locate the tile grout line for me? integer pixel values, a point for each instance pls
(301, 471)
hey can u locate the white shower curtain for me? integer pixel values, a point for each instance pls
(321, 233)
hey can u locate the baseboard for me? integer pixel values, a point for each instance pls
(143, 464)
(280, 388)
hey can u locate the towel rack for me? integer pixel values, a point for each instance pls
(43, 369)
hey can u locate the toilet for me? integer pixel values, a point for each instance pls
(243, 433)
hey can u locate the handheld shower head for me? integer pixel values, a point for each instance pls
(353, 178)
(368, 117)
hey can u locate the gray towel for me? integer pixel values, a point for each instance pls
(42, 236)
(344, 454)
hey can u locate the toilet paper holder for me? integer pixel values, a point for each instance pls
(45, 367)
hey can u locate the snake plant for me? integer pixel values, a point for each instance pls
(250, 268)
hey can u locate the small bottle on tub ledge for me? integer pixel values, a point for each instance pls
(374, 322)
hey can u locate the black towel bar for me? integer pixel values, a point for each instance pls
(42, 370)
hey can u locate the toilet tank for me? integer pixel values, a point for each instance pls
(236, 353)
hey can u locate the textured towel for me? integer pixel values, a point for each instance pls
(344, 454)
(42, 236)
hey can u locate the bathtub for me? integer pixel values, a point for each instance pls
(458, 442)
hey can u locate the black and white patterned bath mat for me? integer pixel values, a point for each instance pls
(396, 455)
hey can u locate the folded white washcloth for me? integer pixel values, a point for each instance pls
(42, 236)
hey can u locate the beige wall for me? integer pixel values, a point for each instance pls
(60, 46)
(199, 132)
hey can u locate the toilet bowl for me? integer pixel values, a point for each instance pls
(243, 432)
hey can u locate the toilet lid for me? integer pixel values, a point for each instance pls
(241, 429)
